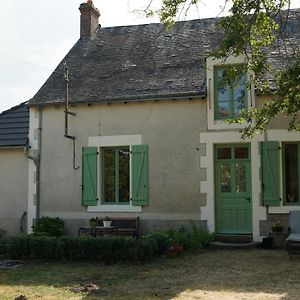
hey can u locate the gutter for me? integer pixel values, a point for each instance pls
(126, 100)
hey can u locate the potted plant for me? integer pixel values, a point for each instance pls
(93, 222)
(107, 222)
(277, 227)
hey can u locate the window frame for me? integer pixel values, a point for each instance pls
(110, 141)
(221, 124)
(117, 176)
(231, 91)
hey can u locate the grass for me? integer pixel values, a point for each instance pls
(209, 274)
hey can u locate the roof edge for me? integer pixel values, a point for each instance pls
(170, 97)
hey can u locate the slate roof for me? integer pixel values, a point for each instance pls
(140, 62)
(134, 62)
(14, 126)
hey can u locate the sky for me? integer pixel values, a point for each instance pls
(35, 35)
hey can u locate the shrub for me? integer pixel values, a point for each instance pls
(42, 247)
(173, 241)
(18, 247)
(146, 248)
(105, 249)
(47, 226)
(200, 238)
(167, 238)
(2, 233)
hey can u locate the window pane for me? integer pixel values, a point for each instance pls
(241, 152)
(222, 96)
(124, 174)
(291, 172)
(223, 109)
(240, 171)
(239, 95)
(224, 153)
(109, 174)
(225, 178)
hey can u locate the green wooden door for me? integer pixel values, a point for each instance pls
(233, 189)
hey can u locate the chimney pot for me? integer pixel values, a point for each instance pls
(89, 19)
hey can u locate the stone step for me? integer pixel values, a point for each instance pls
(237, 245)
(234, 238)
(233, 241)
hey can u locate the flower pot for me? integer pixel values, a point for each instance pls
(106, 224)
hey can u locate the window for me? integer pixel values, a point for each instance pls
(123, 175)
(229, 100)
(115, 174)
(291, 172)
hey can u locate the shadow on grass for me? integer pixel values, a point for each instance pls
(257, 274)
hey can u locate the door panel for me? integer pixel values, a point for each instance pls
(233, 190)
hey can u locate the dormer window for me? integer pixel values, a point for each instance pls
(229, 99)
(227, 95)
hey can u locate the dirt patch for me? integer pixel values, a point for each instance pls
(21, 297)
(89, 289)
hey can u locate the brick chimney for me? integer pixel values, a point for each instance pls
(89, 19)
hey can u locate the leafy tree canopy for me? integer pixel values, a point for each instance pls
(252, 29)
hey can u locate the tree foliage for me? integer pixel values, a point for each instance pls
(253, 29)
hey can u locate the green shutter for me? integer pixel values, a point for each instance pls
(270, 174)
(139, 174)
(89, 176)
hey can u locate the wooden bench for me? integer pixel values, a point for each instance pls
(119, 227)
(125, 226)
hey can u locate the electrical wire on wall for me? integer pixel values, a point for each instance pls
(67, 113)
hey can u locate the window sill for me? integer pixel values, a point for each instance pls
(283, 209)
(114, 208)
(219, 124)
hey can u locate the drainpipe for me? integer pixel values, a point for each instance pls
(37, 163)
(38, 166)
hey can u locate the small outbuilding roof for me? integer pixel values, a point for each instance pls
(14, 126)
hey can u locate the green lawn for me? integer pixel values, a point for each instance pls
(209, 274)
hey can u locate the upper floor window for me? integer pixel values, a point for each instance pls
(228, 92)
(230, 99)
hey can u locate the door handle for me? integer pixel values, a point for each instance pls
(248, 199)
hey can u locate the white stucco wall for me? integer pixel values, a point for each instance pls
(13, 188)
(171, 131)
(181, 162)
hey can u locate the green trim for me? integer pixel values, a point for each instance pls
(231, 91)
(89, 176)
(270, 173)
(139, 175)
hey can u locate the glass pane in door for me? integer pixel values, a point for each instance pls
(241, 183)
(225, 178)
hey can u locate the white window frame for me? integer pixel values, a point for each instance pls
(113, 141)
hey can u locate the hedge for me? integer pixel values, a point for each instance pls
(169, 242)
(106, 249)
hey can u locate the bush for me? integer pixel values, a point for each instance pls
(47, 226)
(146, 249)
(2, 233)
(18, 247)
(200, 238)
(173, 241)
(169, 242)
(105, 249)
